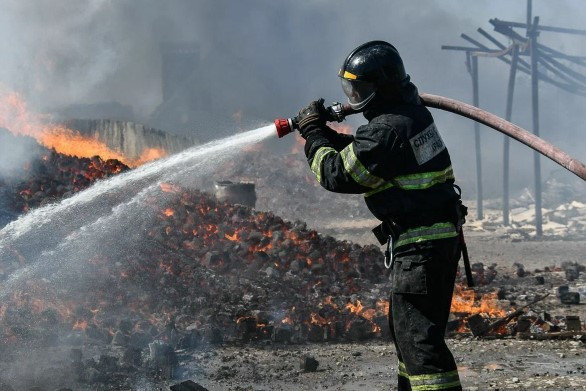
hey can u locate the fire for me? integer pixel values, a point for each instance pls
(317, 319)
(18, 119)
(369, 314)
(355, 309)
(232, 238)
(168, 212)
(464, 301)
(150, 154)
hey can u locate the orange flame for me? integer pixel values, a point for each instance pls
(464, 301)
(16, 117)
(149, 154)
(232, 238)
(355, 309)
(317, 319)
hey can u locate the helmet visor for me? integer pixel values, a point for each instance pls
(359, 93)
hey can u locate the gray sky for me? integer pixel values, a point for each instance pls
(267, 58)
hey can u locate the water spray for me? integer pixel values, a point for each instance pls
(338, 112)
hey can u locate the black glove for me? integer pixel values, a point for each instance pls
(314, 114)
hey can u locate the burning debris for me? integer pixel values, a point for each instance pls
(50, 176)
(231, 253)
(210, 272)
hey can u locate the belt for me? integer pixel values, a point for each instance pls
(414, 235)
(422, 234)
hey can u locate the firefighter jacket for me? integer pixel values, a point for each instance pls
(401, 165)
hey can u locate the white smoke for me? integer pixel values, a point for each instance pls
(268, 58)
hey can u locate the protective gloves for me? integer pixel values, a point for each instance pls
(313, 117)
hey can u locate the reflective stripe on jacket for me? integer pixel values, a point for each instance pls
(398, 161)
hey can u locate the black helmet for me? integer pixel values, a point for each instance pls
(372, 66)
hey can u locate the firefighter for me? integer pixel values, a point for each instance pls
(401, 165)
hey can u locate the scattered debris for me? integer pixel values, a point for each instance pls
(479, 326)
(570, 298)
(308, 364)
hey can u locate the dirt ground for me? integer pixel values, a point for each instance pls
(483, 247)
(483, 365)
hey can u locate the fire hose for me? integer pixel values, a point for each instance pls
(337, 112)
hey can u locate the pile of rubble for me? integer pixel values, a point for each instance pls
(566, 221)
(48, 177)
(270, 276)
(563, 211)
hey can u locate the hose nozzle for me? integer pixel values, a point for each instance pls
(336, 112)
(284, 126)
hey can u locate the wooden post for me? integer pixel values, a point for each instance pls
(479, 199)
(508, 114)
(533, 33)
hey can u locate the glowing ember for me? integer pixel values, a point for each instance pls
(232, 238)
(286, 320)
(355, 309)
(168, 212)
(317, 319)
(195, 272)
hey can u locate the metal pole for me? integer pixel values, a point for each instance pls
(511, 34)
(508, 114)
(529, 12)
(479, 200)
(533, 33)
(554, 29)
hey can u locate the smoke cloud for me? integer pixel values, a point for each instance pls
(260, 59)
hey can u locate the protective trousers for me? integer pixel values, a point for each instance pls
(423, 276)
